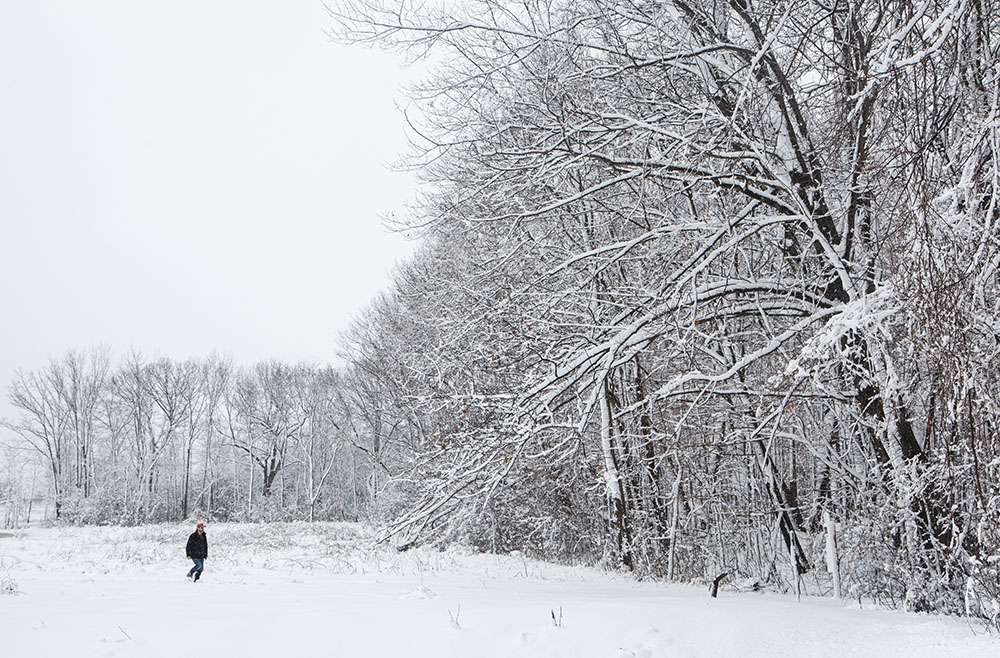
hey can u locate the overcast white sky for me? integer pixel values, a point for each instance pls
(190, 176)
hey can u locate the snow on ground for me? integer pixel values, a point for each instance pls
(322, 590)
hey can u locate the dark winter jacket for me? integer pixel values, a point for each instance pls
(197, 545)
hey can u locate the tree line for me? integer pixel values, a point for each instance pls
(138, 440)
(704, 287)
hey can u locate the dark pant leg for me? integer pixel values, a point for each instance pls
(199, 566)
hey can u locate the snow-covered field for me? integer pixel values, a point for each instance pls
(321, 590)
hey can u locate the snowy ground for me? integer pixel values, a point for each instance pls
(319, 590)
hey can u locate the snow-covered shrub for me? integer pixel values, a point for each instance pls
(106, 505)
(540, 518)
(7, 584)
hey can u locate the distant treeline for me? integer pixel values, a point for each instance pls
(132, 440)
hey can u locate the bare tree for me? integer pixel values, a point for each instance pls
(59, 406)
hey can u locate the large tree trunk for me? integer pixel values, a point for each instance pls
(786, 509)
(613, 479)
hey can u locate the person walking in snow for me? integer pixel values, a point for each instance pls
(197, 550)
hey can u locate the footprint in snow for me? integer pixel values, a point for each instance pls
(640, 652)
